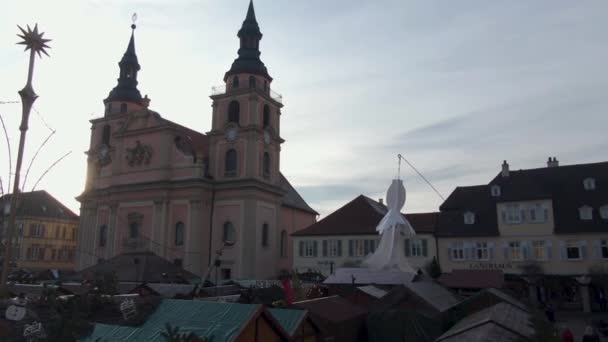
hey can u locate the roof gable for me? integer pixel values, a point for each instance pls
(137, 268)
(40, 204)
(360, 217)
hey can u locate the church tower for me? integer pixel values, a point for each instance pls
(246, 115)
(245, 150)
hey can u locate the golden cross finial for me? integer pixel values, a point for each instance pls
(133, 20)
(33, 40)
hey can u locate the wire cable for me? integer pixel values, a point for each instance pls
(421, 176)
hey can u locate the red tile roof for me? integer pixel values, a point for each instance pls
(360, 217)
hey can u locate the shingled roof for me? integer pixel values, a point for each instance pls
(475, 199)
(563, 185)
(360, 217)
(40, 204)
(138, 267)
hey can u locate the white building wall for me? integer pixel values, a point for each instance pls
(320, 261)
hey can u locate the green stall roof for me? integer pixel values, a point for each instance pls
(290, 320)
(223, 321)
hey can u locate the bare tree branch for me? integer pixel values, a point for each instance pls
(34, 158)
(8, 146)
(49, 169)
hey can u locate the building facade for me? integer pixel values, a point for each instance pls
(535, 224)
(46, 232)
(155, 185)
(348, 235)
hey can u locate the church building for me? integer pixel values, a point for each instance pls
(154, 185)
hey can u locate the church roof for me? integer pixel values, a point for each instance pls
(39, 204)
(360, 217)
(138, 267)
(292, 198)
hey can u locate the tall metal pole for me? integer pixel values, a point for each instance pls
(34, 42)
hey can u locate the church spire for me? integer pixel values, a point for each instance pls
(126, 89)
(248, 60)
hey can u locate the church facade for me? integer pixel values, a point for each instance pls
(154, 185)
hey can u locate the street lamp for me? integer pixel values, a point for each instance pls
(33, 41)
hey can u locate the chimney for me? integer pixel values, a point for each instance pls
(381, 201)
(505, 169)
(552, 162)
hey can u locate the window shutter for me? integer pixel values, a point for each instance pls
(597, 249)
(505, 250)
(546, 214)
(339, 248)
(314, 248)
(424, 248)
(450, 248)
(301, 253)
(407, 248)
(583, 247)
(365, 247)
(467, 251)
(324, 248)
(562, 250)
(525, 250)
(350, 247)
(491, 250)
(548, 250)
(504, 216)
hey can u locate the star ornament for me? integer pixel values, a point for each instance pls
(33, 40)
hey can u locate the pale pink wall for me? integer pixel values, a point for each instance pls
(152, 140)
(228, 211)
(239, 146)
(122, 232)
(292, 220)
(266, 256)
(103, 217)
(179, 212)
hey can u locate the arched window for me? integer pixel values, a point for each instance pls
(229, 234)
(251, 82)
(265, 86)
(179, 234)
(235, 82)
(103, 235)
(105, 137)
(123, 108)
(266, 116)
(109, 108)
(230, 163)
(234, 109)
(266, 163)
(133, 230)
(283, 247)
(265, 235)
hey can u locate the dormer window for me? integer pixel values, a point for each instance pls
(604, 212)
(589, 183)
(495, 190)
(586, 213)
(469, 218)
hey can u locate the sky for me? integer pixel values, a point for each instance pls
(455, 86)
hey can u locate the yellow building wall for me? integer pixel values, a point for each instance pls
(53, 247)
